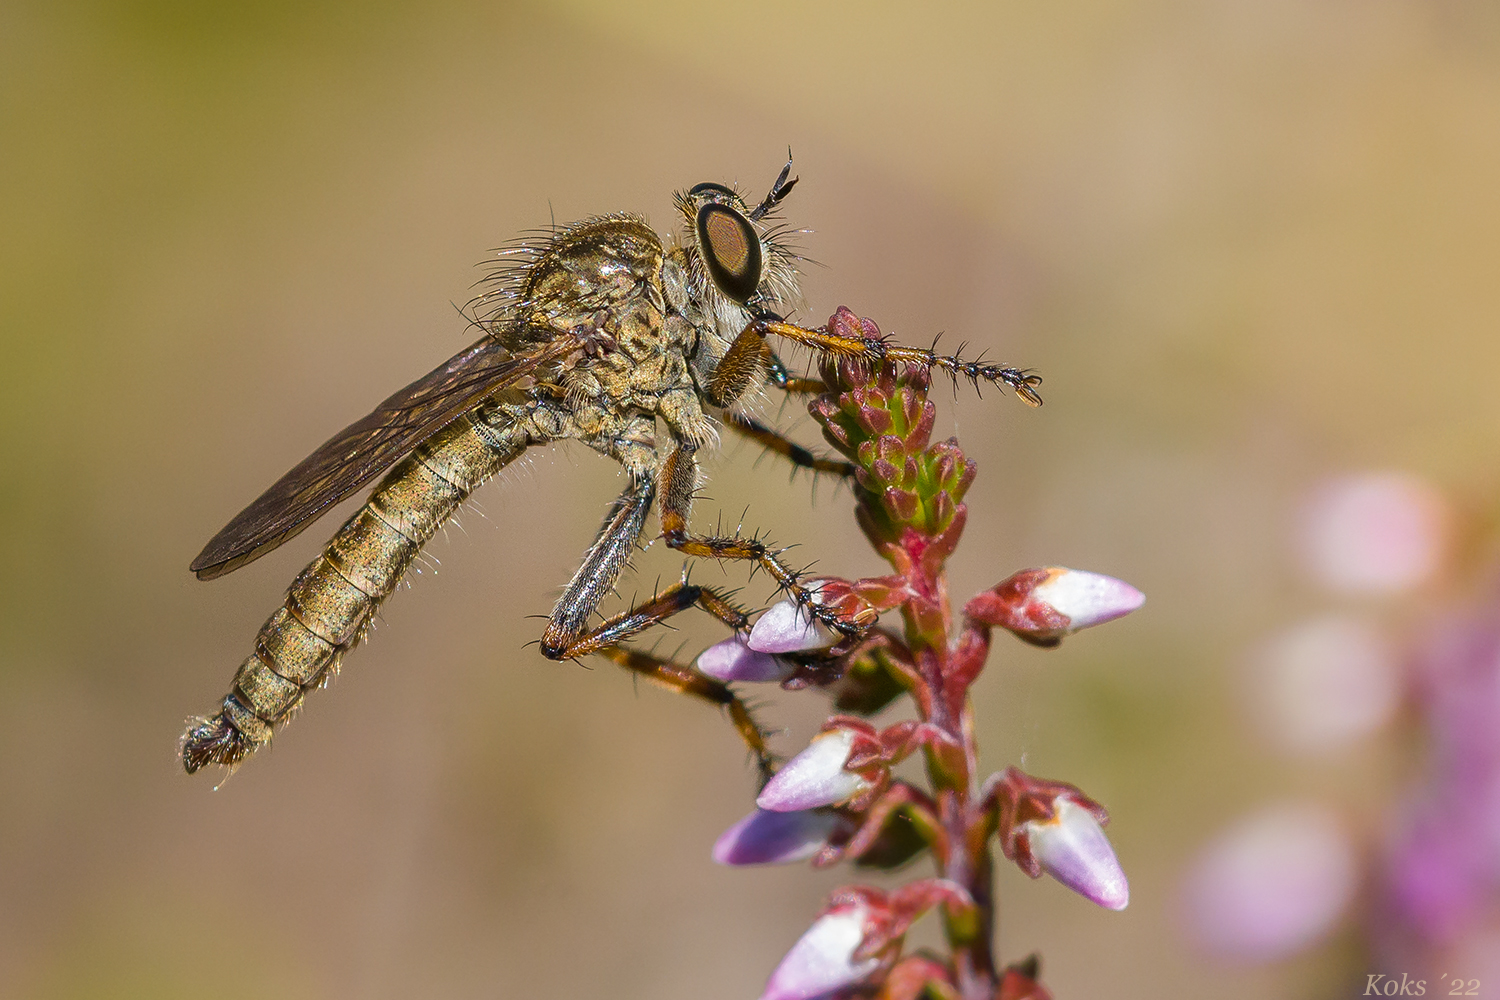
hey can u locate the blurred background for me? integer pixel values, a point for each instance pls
(1251, 245)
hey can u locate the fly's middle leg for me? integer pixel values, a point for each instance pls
(679, 481)
(568, 636)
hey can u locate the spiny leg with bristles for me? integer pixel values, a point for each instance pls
(679, 479)
(567, 636)
(685, 680)
(1021, 381)
(792, 384)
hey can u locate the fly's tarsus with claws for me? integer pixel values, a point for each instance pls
(603, 333)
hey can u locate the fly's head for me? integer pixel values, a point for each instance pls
(739, 262)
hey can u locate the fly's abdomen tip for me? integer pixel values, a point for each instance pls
(214, 740)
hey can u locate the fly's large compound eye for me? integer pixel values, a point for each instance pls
(708, 188)
(731, 249)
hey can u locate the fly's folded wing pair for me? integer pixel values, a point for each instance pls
(366, 448)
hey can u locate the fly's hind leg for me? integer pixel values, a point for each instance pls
(686, 680)
(606, 639)
(568, 636)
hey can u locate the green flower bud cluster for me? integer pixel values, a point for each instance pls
(882, 420)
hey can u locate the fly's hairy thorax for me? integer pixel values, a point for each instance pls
(611, 283)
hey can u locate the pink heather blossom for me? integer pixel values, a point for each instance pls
(1272, 884)
(787, 628)
(1072, 848)
(1085, 598)
(777, 838)
(815, 777)
(1442, 872)
(1044, 605)
(1376, 533)
(734, 660)
(822, 961)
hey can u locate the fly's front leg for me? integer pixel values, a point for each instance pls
(748, 361)
(1022, 383)
(568, 637)
(679, 480)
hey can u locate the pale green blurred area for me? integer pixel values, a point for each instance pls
(1247, 242)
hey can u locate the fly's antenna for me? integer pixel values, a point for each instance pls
(779, 190)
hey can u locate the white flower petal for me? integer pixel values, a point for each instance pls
(1086, 598)
(1072, 848)
(822, 961)
(787, 628)
(815, 777)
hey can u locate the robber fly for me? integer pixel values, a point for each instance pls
(603, 334)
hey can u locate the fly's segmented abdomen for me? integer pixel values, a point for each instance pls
(330, 604)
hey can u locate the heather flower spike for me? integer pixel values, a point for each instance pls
(1043, 605)
(836, 800)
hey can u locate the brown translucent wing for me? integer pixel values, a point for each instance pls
(363, 450)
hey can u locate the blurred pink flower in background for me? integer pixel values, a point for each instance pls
(1277, 881)
(1272, 884)
(1374, 533)
(1442, 870)
(1323, 683)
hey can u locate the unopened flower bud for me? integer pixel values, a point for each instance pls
(789, 628)
(778, 838)
(816, 776)
(1043, 605)
(822, 961)
(734, 660)
(1072, 848)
